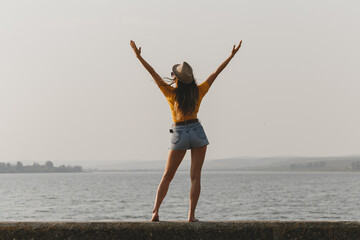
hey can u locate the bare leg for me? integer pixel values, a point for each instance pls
(174, 159)
(197, 160)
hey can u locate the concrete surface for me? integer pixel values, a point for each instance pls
(180, 230)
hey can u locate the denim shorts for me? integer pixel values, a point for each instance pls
(188, 136)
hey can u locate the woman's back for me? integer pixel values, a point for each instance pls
(170, 94)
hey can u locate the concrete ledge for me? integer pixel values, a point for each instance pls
(180, 230)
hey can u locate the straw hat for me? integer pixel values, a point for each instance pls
(183, 72)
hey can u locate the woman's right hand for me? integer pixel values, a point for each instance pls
(136, 50)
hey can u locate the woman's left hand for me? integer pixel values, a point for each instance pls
(136, 50)
(236, 49)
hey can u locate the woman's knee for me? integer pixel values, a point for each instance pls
(168, 176)
(195, 176)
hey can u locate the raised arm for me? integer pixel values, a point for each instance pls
(159, 81)
(213, 76)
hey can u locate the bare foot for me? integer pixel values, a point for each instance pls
(155, 217)
(192, 219)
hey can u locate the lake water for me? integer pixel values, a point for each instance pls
(228, 196)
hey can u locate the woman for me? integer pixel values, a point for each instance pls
(187, 133)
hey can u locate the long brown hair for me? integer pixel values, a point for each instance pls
(186, 97)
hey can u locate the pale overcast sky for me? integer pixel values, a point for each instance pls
(72, 91)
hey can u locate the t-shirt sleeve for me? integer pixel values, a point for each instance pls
(203, 89)
(166, 89)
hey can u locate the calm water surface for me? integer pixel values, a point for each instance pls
(129, 196)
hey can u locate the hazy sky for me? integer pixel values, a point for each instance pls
(72, 91)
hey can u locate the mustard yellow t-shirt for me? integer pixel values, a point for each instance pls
(169, 93)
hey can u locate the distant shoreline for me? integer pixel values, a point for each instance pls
(349, 163)
(223, 170)
(48, 167)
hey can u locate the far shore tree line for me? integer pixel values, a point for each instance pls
(322, 165)
(48, 167)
